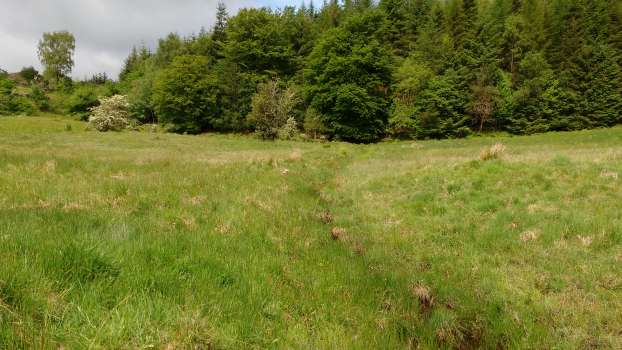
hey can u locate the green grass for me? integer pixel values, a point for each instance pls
(150, 240)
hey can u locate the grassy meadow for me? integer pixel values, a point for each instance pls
(141, 240)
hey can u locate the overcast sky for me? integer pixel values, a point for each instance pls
(105, 30)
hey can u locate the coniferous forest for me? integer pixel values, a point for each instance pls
(360, 71)
(190, 229)
(405, 68)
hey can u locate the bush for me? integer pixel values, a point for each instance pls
(22, 105)
(494, 152)
(10, 103)
(139, 95)
(289, 130)
(29, 73)
(271, 113)
(39, 98)
(82, 100)
(6, 88)
(112, 114)
(313, 125)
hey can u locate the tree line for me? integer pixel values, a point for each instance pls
(359, 71)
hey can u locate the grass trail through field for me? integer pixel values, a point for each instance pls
(137, 239)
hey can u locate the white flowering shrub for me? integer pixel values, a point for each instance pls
(112, 114)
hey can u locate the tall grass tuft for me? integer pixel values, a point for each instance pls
(495, 151)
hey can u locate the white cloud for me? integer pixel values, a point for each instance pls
(105, 30)
(16, 52)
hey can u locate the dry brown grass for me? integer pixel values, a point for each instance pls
(196, 200)
(424, 295)
(325, 217)
(337, 233)
(530, 235)
(586, 240)
(495, 151)
(609, 174)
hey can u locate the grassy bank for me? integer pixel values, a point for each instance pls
(148, 240)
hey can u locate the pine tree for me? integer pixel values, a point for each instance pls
(596, 20)
(470, 11)
(430, 46)
(401, 27)
(219, 33)
(311, 11)
(534, 36)
(603, 88)
(512, 50)
(129, 64)
(539, 104)
(169, 48)
(569, 55)
(615, 28)
(456, 24)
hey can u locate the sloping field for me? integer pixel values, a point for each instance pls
(149, 240)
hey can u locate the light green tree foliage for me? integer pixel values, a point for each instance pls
(538, 99)
(313, 125)
(10, 101)
(6, 89)
(258, 41)
(219, 34)
(186, 94)
(413, 79)
(136, 82)
(56, 51)
(427, 105)
(82, 99)
(134, 63)
(40, 99)
(272, 111)
(138, 86)
(168, 48)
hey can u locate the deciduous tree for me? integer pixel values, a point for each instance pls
(56, 51)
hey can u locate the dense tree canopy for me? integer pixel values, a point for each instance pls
(186, 94)
(423, 69)
(348, 77)
(366, 70)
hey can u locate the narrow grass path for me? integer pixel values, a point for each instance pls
(522, 252)
(134, 240)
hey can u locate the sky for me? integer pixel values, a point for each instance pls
(105, 30)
